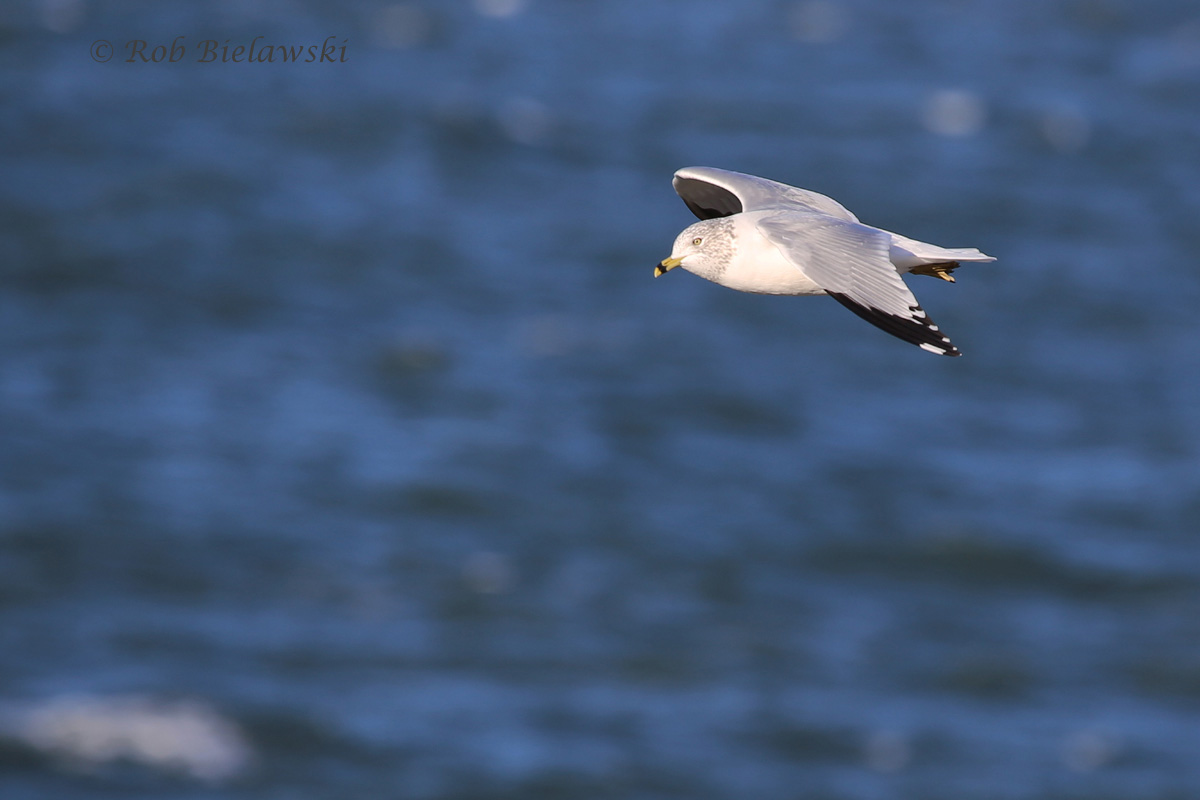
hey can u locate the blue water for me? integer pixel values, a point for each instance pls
(349, 449)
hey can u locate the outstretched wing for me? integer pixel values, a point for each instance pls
(710, 192)
(850, 262)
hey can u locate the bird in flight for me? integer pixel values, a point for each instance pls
(757, 235)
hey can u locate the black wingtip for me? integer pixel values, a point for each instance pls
(917, 329)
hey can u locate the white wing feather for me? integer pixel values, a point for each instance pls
(850, 261)
(843, 257)
(719, 193)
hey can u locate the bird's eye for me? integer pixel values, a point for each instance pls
(697, 241)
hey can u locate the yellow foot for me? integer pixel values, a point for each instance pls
(941, 270)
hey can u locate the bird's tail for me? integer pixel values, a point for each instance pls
(922, 258)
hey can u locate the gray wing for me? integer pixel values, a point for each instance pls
(850, 262)
(710, 192)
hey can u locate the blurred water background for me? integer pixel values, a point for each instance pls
(349, 449)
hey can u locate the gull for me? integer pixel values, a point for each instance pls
(757, 235)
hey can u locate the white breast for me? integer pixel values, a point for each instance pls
(758, 266)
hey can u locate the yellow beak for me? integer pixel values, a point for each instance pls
(666, 266)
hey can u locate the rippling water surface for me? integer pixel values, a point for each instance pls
(348, 448)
